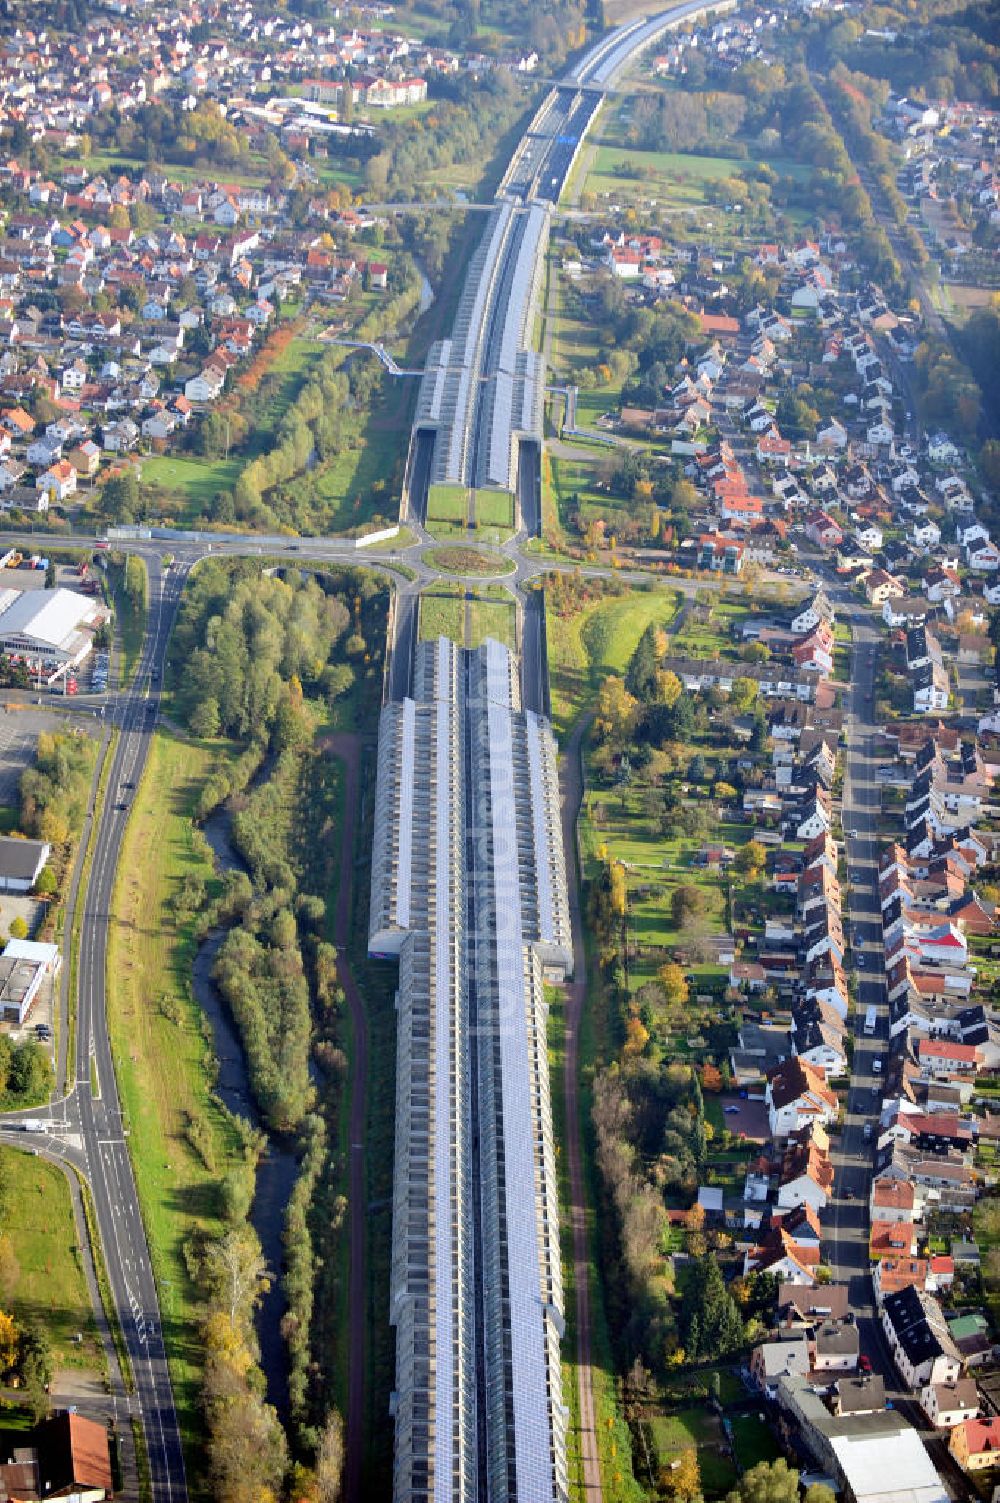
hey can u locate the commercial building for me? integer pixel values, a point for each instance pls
(872, 1457)
(51, 631)
(469, 892)
(21, 863)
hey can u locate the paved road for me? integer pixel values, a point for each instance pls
(87, 1130)
(576, 991)
(348, 748)
(853, 1155)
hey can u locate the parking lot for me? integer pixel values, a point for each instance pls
(745, 1118)
(19, 731)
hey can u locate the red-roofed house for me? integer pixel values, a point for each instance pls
(975, 1444)
(823, 530)
(945, 1057)
(892, 1239)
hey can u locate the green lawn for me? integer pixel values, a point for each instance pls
(49, 1286)
(597, 641)
(197, 480)
(162, 1057)
(447, 503)
(674, 1433)
(494, 509)
(491, 618)
(441, 616)
(754, 1440)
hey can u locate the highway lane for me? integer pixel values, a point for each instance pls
(103, 1130)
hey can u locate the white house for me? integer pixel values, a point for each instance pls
(919, 1340)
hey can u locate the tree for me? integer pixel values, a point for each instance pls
(34, 1364)
(330, 1458)
(18, 928)
(684, 1476)
(750, 860)
(615, 713)
(674, 984)
(30, 1072)
(743, 694)
(50, 576)
(668, 687)
(818, 1492)
(204, 718)
(767, 1482)
(8, 1346)
(687, 904)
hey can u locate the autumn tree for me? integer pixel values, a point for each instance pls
(674, 983)
(614, 717)
(683, 1477)
(750, 860)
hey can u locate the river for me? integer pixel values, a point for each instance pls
(278, 1166)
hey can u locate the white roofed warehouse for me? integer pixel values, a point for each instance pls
(49, 630)
(469, 891)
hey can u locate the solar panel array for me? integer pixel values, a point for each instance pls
(469, 890)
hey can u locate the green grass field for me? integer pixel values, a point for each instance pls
(447, 503)
(674, 1433)
(467, 616)
(441, 616)
(494, 509)
(131, 618)
(599, 640)
(492, 618)
(754, 1440)
(49, 1286)
(164, 1066)
(197, 480)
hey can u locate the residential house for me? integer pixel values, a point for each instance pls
(975, 1444)
(918, 1337)
(797, 1096)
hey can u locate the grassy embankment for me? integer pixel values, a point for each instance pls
(129, 582)
(48, 1286)
(467, 616)
(162, 1048)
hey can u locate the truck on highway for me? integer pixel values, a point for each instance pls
(32, 1126)
(870, 1021)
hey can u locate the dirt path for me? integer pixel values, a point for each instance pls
(572, 796)
(347, 748)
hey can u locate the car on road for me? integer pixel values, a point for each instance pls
(868, 1130)
(875, 1089)
(860, 962)
(854, 834)
(849, 1193)
(865, 1363)
(729, 1110)
(128, 784)
(122, 804)
(876, 1067)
